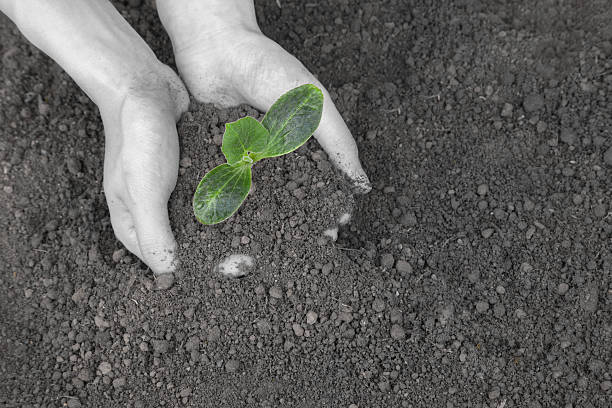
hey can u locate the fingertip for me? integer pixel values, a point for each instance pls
(361, 182)
(159, 255)
(155, 239)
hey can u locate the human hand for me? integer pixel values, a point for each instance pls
(224, 59)
(141, 166)
(139, 99)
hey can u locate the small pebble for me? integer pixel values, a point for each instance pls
(397, 332)
(378, 305)
(600, 210)
(568, 136)
(311, 317)
(101, 323)
(160, 346)
(298, 330)
(494, 393)
(118, 255)
(260, 290)
(73, 403)
(236, 265)
(409, 219)
(482, 307)
(520, 313)
(276, 292)
(507, 110)
(483, 189)
(403, 267)
(164, 281)
(185, 162)
(105, 367)
(232, 366)
(533, 102)
(487, 232)
(607, 157)
(387, 261)
(119, 382)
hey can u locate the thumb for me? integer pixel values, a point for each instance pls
(155, 238)
(336, 139)
(280, 72)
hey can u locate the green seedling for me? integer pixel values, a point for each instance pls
(289, 123)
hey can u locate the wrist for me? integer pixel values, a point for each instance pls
(189, 23)
(92, 42)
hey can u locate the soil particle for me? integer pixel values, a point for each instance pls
(387, 261)
(378, 305)
(232, 365)
(118, 255)
(520, 313)
(507, 110)
(483, 189)
(119, 382)
(562, 288)
(276, 292)
(298, 330)
(160, 346)
(311, 317)
(487, 232)
(494, 393)
(533, 103)
(607, 156)
(164, 281)
(73, 403)
(600, 210)
(589, 298)
(105, 368)
(482, 307)
(403, 267)
(568, 136)
(397, 332)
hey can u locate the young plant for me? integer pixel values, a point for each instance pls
(289, 123)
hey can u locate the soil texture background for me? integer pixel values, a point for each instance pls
(477, 273)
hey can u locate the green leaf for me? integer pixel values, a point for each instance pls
(221, 192)
(292, 120)
(241, 137)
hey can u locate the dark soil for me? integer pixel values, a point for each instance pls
(477, 273)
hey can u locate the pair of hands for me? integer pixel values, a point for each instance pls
(228, 67)
(223, 58)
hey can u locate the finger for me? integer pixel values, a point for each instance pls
(155, 239)
(123, 225)
(150, 175)
(280, 72)
(335, 138)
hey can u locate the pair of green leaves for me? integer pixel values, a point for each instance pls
(288, 124)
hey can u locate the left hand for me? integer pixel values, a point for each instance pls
(224, 59)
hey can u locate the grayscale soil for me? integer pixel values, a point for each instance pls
(477, 273)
